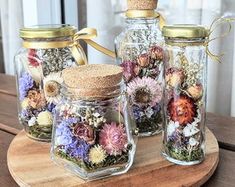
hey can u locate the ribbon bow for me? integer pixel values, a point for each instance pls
(86, 35)
(215, 24)
(77, 51)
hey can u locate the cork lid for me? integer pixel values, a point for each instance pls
(93, 80)
(142, 4)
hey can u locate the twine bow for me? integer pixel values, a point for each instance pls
(145, 14)
(77, 51)
(215, 24)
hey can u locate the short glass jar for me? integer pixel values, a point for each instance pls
(185, 94)
(140, 53)
(45, 53)
(93, 133)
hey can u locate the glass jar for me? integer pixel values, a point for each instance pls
(139, 51)
(94, 135)
(45, 53)
(185, 94)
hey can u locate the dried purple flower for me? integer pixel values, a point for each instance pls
(78, 149)
(63, 133)
(26, 82)
(143, 112)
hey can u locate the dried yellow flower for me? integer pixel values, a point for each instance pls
(45, 118)
(97, 154)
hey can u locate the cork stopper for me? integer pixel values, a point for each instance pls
(93, 80)
(142, 4)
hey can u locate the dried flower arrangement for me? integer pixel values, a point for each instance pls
(141, 56)
(90, 132)
(40, 89)
(184, 122)
(144, 89)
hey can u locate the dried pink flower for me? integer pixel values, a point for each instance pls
(113, 138)
(130, 70)
(195, 91)
(156, 53)
(143, 60)
(145, 91)
(174, 77)
(84, 132)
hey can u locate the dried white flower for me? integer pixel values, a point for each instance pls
(190, 130)
(172, 126)
(149, 112)
(193, 141)
(32, 121)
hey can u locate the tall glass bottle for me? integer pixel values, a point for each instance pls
(139, 51)
(185, 94)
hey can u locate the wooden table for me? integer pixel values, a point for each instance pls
(223, 128)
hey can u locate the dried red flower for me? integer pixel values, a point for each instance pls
(32, 58)
(182, 109)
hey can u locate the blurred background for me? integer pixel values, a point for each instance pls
(107, 16)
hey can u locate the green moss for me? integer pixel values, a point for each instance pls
(40, 132)
(76, 161)
(109, 161)
(149, 124)
(184, 154)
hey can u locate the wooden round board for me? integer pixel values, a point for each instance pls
(30, 165)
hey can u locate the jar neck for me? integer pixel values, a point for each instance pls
(185, 41)
(149, 22)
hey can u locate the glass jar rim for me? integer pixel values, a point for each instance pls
(184, 31)
(48, 31)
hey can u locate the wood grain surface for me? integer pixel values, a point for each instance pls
(8, 84)
(225, 172)
(30, 165)
(223, 128)
(5, 177)
(8, 111)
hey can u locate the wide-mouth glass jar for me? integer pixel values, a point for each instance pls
(139, 52)
(45, 53)
(185, 94)
(94, 135)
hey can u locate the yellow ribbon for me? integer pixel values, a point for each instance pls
(146, 14)
(216, 23)
(77, 51)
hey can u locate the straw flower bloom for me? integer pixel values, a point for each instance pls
(52, 85)
(145, 91)
(113, 138)
(97, 154)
